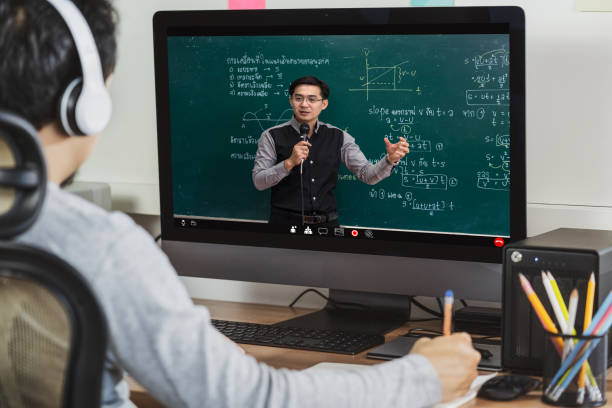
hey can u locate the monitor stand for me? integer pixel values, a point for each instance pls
(362, 312)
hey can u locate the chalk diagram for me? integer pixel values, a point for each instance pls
(389, 78)
(263, 118)
(497, 176)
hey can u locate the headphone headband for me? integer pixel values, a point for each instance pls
(93, 106)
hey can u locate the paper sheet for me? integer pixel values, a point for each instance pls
(471, 394)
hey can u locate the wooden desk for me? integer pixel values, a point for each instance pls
(298, 359)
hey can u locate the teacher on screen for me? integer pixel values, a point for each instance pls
(300, 159)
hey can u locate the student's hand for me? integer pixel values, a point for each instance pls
(299, 153)
(396, 151)
(454, 359)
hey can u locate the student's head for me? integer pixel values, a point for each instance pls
(39, 60)
(308, 96)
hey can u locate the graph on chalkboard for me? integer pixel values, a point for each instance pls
(447, 94)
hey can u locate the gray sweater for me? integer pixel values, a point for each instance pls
(170, 347)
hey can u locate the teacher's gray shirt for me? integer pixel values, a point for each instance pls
(170, 347)
(268, 173)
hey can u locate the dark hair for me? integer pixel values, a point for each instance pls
(310, 80)
(38, 58)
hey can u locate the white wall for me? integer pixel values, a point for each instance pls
(569, 120)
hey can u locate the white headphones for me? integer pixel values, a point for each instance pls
(85, 106)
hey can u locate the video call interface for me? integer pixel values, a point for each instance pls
(448, 95)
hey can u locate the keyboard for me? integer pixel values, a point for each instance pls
(331, 341)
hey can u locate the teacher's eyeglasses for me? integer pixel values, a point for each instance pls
(310, 99)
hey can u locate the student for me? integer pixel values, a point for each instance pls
(304, 173)
(156, 333)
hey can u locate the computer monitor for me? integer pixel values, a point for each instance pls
(449, 80)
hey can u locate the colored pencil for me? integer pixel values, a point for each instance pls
(539, 310)
(588, 314)
(571, 321)
(554, 302)
(596, 324)
(553, 283)
(549, 325)
(588, 347)
(593, 389)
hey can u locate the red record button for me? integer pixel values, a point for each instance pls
(499, 242)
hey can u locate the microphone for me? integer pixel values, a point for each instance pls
(304, 129)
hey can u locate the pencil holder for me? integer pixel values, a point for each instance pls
(564, 384)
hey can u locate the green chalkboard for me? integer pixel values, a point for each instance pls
(447, 94)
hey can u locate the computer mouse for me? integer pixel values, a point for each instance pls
(507, 387)
(484, 353)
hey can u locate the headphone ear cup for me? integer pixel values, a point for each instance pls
(67, 107)
(23, 175)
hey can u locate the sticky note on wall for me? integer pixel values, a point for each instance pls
(246, 4)
(431, 3)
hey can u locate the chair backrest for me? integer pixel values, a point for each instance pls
(53, 332)
(34, 342)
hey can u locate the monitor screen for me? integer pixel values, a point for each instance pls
(450, 81)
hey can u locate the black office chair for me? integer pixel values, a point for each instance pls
(52, 329)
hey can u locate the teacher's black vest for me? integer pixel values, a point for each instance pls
(320, 175)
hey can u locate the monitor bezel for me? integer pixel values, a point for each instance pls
(343, 21)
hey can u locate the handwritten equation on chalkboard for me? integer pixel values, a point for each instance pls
(447, 95)
(260, 76)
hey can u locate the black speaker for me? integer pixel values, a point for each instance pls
(571, 255)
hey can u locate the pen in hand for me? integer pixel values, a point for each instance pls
(448, 312)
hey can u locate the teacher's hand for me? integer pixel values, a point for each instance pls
(396, 151)
(299, 153)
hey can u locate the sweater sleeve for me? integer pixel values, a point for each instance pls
(170, 347)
